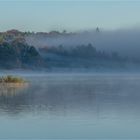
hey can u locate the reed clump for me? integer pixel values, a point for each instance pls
(11, 79)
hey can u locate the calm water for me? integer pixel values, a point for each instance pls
(72, 106)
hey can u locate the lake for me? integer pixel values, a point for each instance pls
(72, 106)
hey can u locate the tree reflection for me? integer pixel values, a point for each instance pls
(12, 89)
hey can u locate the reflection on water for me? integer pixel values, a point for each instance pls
(83, 102)
(9, 93)
(11, 89)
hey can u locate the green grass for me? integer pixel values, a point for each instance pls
(11, 79)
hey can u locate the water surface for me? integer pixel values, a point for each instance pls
(76, 106)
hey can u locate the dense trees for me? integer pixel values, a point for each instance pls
(17, 54)
(81, 51)
(80, 56)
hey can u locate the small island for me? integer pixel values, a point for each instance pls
(12, 79)
(11, 85)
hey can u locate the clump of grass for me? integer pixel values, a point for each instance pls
(11, 79)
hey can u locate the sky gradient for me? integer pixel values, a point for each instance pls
(35, 15)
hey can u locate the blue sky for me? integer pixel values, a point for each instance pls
(37, 15)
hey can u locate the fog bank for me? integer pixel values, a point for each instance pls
(123, 41)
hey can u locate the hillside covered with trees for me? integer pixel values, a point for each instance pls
(15, 52)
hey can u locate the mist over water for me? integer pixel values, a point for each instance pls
(72, 106)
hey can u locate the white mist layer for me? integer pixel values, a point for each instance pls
(125, 42)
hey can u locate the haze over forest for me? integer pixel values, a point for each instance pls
(91, 50)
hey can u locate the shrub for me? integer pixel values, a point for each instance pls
(11, 79)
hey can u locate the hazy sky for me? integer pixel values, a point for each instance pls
(37, 15)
